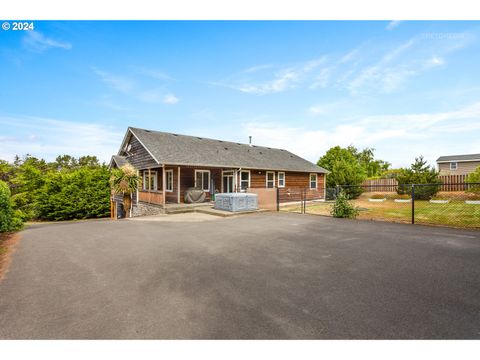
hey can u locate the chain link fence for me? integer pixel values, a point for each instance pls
(405, 203)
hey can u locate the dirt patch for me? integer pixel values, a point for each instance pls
(8, 243)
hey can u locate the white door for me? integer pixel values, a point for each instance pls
(227, 181)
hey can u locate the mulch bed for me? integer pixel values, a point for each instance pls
(8, 242)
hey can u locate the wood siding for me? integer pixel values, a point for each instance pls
(139, 157)
(187, 179)
(465, 167)
(152, 197)
(296, 183)
(171, 196)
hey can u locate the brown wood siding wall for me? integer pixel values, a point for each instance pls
(139, 156)
(258, 178)
(296, 183)
(466, 167)
(159, 177)
(153, 197)
(187, 179)
(171, 197)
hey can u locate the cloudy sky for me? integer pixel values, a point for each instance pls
(403, 88)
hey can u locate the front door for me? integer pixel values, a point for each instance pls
(227, 181)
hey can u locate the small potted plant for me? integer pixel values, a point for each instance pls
(377, 198)
(439, 200)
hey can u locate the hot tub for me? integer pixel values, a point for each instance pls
(236, 202)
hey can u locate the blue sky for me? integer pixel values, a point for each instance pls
(403, 88)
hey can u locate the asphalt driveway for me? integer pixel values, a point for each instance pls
(262, 276)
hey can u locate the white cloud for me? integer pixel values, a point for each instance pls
(116, 82)
(37, 42)
(392, 71)
(326, 107)
(154, 73)
(48, 138)
(393, 24)
(350, 55)
(130, 87)
(170, 99)
(317, 109)
(435, 61)
(369, 68)
(397, 138)
(282, 79)
(258, 68)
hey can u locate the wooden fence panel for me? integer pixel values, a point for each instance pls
(453, 182)
(380, 185)
(450, 183)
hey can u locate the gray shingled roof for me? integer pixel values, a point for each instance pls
(119, 160)
(468, 157)
(175, 149)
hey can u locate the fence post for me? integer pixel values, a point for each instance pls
(413, 204)
(304, 201)
(337, 190)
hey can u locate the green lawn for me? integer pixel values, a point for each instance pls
(456, 213)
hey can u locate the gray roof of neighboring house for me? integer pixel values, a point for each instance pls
(119, 160)
(175, 149)
(468, 157)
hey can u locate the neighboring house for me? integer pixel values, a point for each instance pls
(458, 164)
(169, 164)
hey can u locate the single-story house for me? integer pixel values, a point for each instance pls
(169, 164)
(458, 164)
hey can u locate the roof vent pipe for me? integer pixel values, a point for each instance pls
(250, 140)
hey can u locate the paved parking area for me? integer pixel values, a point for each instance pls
(261, 276)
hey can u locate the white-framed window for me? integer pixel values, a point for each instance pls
(281, 179)
(313, 181)
(244, 179)
(202, 179)
(270, 177)
(169, 180)
(453, 165)
(150, 180)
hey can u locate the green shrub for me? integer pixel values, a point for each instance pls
(9, 221)
(474, 177)
(419, 173)
(76, 194)
(343, 208)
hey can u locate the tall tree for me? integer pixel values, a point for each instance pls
(373, 167)
(65, 162)
(345, 169)
(419, 173)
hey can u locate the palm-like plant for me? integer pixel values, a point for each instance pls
(125, 181)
